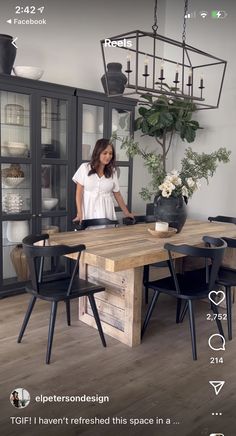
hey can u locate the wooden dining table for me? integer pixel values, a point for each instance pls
(115, 257)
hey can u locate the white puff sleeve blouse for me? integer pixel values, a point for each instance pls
(98, 193)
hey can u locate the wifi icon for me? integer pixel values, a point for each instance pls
(203, 14)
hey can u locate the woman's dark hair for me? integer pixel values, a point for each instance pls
(100, 146)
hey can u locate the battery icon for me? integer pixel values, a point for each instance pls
(218, 14)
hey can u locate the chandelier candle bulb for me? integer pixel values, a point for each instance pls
(201, 82)
(128, 61)
(146, 65)
(190, 77)
(162, 70)
(161, 226)
(177, 73)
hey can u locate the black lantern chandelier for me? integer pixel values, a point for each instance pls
(158, 65)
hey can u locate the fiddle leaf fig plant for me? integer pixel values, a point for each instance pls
(164, 117)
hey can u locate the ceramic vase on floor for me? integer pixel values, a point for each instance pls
(7, 54)
(19, 262)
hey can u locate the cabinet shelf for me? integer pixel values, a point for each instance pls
(15, 125)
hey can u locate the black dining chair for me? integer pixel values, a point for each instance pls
(222, 219)
(55, 291)
(189, 286)
(84, 224)
(138, 219)
(227, 279)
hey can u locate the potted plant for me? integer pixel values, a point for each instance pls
(163, 118)
(171, 190)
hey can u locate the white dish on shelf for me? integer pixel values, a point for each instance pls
(28, 72)
(16, 144)
(49, 203)
(12, 182)
(16, 148)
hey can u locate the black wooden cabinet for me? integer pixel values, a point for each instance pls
(46, 131)
(37, 125)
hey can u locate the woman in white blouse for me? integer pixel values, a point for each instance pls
(97, 183)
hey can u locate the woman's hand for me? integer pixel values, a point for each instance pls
(78, 218)
(122, 205)
(129, 215)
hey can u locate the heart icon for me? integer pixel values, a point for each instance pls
(217, 294)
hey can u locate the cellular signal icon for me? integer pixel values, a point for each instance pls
(203, 14)
(190, 15)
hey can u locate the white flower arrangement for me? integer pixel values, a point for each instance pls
(175, 185)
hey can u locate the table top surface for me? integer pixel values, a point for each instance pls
(125, 247)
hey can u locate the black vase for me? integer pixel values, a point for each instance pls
(171, 210)
(7, 54)
(116, 79)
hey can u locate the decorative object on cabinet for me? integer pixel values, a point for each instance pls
(17, 230)
(49, 203)
(115, 78)
(19, 262)
(13, 171)
(7, 54)
(14, 114)
(89, 122)
(12, 203)
(17, 149)
(28, 72)
(50, 150)
(86, 151)
(12, 182)
(46, 176)
(44, 113)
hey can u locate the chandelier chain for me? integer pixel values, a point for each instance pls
(184, 24)
(155, 26)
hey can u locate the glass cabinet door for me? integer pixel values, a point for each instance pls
(54, 121)
(15, 124)
(53, 208)
(16, 183)
(121, 126)
(92, 128)
(54, 156)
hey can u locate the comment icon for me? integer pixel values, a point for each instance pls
(213, 340)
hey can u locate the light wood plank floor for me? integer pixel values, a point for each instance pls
(155, 379)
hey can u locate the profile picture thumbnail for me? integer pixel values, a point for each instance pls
(20, 398)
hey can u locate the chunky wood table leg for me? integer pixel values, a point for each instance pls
(119, 306)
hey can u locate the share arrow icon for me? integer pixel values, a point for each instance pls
(217, 385)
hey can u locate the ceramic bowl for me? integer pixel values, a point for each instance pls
(49, 203)
(28, 72)
(17, 149)
(12, 182)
